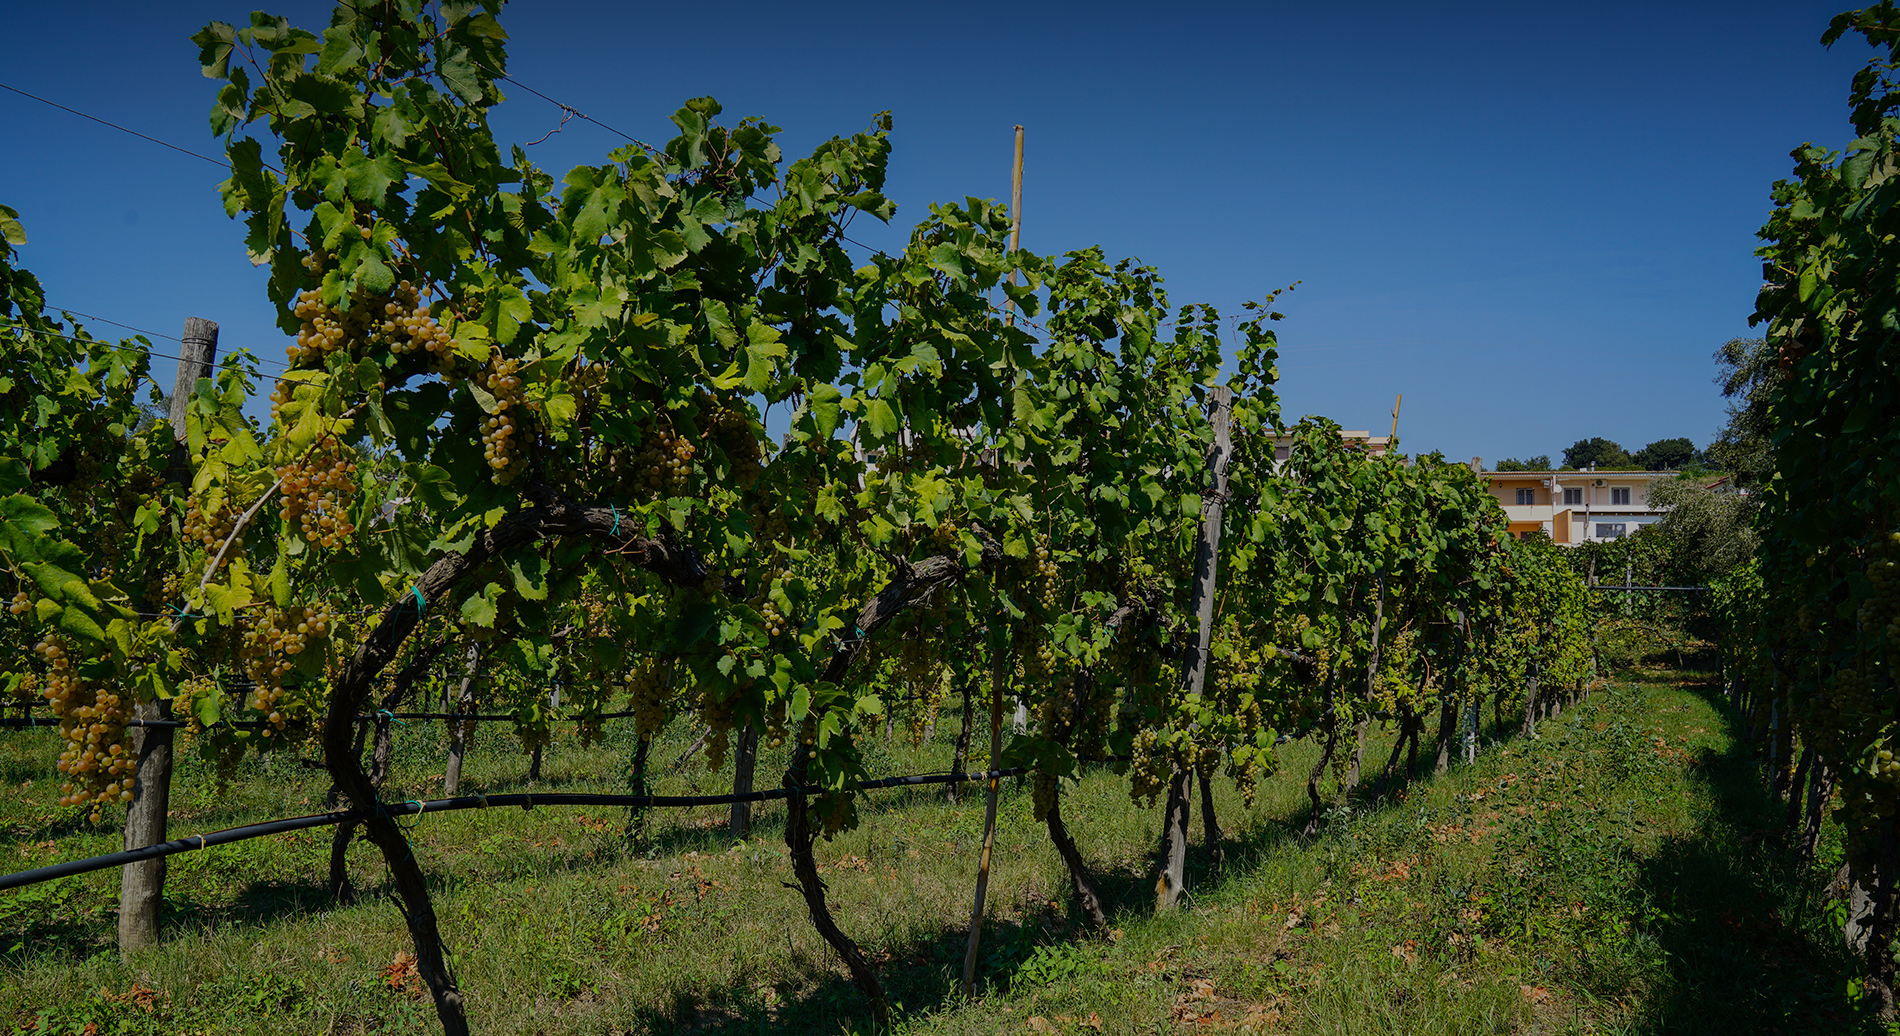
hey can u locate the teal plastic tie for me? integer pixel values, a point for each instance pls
(616, 530)
(421, 605)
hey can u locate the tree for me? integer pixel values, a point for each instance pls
(1749, 378)
(1541, 462)
(1598, 452)
(1666, 455)
(1708, 533)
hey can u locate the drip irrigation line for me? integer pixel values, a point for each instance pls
(249, 724)
(395, 809)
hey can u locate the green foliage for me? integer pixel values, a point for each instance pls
(1749, 376)
(1598, 452)
(1815, 630)
(1541, 462)
(1666, 455)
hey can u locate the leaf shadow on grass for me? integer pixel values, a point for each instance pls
(1737, 919)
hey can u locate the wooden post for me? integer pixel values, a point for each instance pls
(999, 666)
(744, 763)
(142, 885)
(1015, 222)
(1529, 729)
(459, 729)
(1364, 724)
(1173, 879)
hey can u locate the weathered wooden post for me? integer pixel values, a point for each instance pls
(142, 885)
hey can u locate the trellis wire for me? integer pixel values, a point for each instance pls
(525, 801)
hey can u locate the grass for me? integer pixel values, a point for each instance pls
(1619, 874)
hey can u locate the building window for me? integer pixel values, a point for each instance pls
(1611, 530)
(1526, 497)
(1573, 497)
(1620, 497)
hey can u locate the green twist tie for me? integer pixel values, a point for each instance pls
(421, 605)
(616, 530)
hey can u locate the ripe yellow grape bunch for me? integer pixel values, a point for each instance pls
(316, 493)
(1042, 582)
(96, 759)
(500, 446)
(210, 530)
(733, 431)
(399, 318)
(20, 605)
(1879, 614)
(776, 623)
(268, 651)
(408, 326)
(647, 696)
(663, 465)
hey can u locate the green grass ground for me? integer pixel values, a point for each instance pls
(1618, 874)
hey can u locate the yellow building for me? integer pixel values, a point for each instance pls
(1574, 507)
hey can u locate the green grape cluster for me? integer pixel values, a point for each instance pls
(409, 327)
(648, 696)
(663, 466)
(733, 432)
(1042, 793)
(928, 706)
(715, 710)
(1151, 766)
(1037, 662)
(316, 493)
(268, 652)
(1042, 580)
(96, 758)
(501, 446)
(398, 318)
(209, 529)
(1879, 613)
(776, 624)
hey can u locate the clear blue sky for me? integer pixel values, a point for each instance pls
(1535, 221)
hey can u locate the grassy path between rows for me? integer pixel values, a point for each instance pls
(1620, 873)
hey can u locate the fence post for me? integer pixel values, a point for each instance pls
(142, 885)
(1174, 828)
(744, 762)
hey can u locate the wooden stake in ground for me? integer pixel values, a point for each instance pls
(459, 729)
(1173, 879)
(999, 668)
(999, 644)
(1362, 727)
(142, 885)
(744, 763)
(1015, 220)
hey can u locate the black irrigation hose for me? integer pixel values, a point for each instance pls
(525, 801)
(253, 724)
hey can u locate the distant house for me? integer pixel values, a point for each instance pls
(1573, 507)
(1373, 445)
